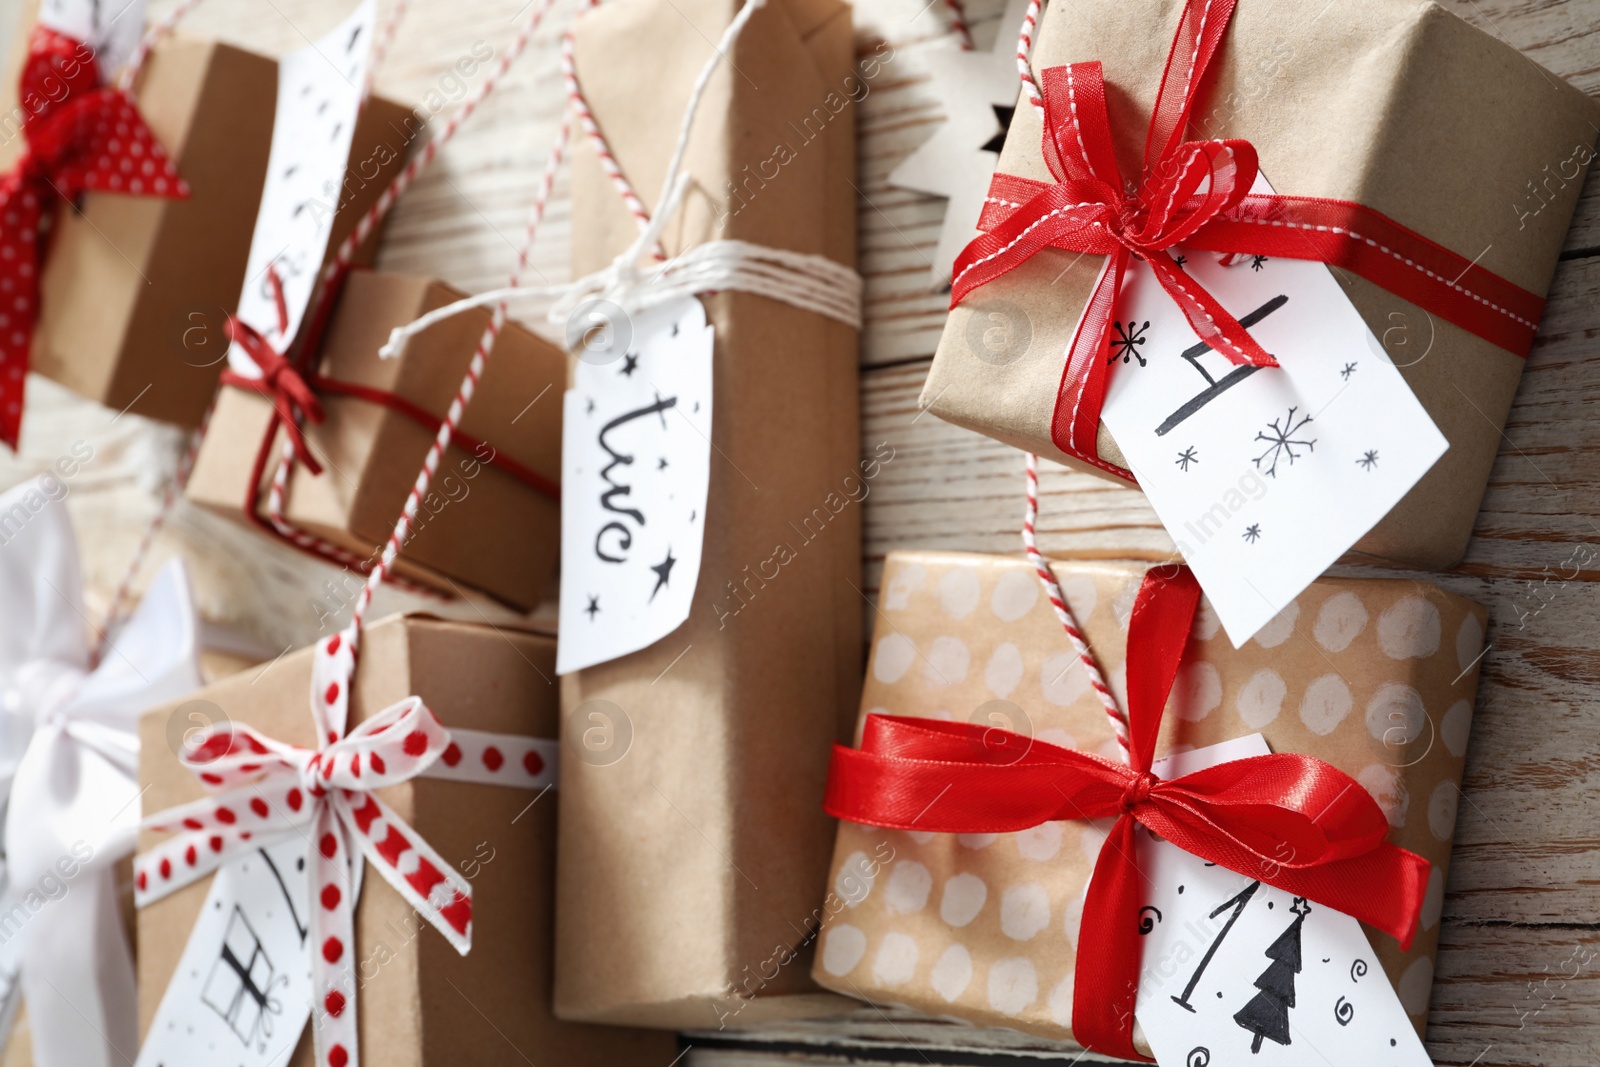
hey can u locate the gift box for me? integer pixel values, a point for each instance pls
(135, 291)
(492, 518)
(1375, 677)
(690, 864)
(1375, 103)
(419, 1002)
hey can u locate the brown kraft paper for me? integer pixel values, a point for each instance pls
(690, 865)
(1395, 104)
(134, 291)
(420, 1004)
(1377, 677)
(479, 526)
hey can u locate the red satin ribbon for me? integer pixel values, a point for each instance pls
(79, 136)
(280, 380)
(1197, 193)
(1292, 821)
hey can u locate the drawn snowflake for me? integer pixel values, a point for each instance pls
(1368, 461)
(1180, 261)
(1127, 341)
(1252, 533)
(1349, 369)
(1257, 262)
(1282, 442)
(1186, 457)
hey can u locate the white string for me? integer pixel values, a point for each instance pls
(803, 280)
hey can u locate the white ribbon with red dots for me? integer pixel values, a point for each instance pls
(266, 789)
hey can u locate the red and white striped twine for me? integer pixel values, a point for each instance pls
(1052, 590)
(1024, 51)
(591, 129)
(958, 23)
(469, 384)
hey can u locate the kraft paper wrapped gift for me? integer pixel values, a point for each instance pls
(690, 867)
(1378, 102)
(425, 1005)
(135, 290)
(482, 526)
(1377, 677)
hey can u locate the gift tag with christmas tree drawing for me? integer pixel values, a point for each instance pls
(635, 468)
(319, 97)
(1262, 476)
(1235, 972)
(243, 990)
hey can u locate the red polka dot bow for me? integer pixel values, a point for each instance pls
(79, 136)
(264, 788)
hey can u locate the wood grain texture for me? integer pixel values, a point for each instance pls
(1517, 974)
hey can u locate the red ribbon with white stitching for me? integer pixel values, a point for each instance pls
(80, 136)
(1197, 193)
(264, 788)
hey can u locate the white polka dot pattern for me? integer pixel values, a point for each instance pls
(1366, 674)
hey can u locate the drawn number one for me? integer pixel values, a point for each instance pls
(1237, 903)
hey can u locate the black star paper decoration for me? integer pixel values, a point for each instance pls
(1002, 114)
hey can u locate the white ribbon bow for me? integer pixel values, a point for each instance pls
(264, 788)
(69, 747)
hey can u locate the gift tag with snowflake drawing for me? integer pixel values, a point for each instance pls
(635, 469)
(1237, 972)
(1263, 476)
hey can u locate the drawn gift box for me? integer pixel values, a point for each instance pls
(492, 519)
(135, 291)
(1376, 103)
(420, 1003)
(689, 865)
(1376, 677)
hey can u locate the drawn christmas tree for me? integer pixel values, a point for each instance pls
(1267, 1014)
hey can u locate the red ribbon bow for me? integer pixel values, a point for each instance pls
(1197, 193)
(1292, 821)
(80, 136)
(281, 382)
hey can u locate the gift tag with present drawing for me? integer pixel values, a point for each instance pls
(242, 991)
(111, 28)
(1237, 972)
(1263, 476)
(319, 97)
(635, 467)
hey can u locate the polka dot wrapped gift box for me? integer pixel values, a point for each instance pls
(486, 807)
(1375, 677)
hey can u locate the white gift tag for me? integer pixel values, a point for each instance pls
(1236, 972)
(242, 992)
(111, 28)
(1263, 477)
(635, 466)
(319, 97)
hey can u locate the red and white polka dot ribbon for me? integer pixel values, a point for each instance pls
(80, 136)
(264, 788)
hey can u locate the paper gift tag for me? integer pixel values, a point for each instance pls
(1263, 477)
(635, 465)
(1236, 972)
(111, 28)
(242, 992)
(319, 96)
